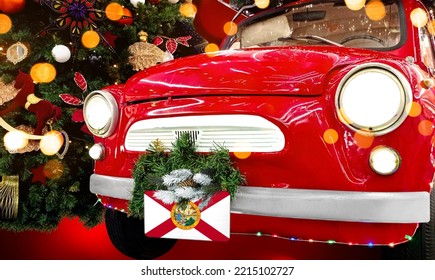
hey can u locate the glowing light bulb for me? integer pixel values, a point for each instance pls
(419, 17)
(355, 5)
(15, 140)
(51, 142)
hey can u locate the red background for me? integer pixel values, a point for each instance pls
(71, 241)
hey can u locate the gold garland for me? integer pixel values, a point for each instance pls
(9, 197)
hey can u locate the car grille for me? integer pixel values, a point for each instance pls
(237, 133)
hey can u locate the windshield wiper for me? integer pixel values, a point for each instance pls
(310, 37)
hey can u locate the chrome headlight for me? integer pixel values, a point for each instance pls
(384, 160)
(101, 113)
(373, 98)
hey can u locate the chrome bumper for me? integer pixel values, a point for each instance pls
(349, 206)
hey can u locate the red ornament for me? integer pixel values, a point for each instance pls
(154, 2)
(12, 6)
(127, 17)
(38, 174)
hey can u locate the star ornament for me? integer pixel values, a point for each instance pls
(75, 15)
(38, 175)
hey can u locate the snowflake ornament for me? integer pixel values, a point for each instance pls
(75, 15)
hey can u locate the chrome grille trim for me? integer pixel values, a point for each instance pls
(237, 133)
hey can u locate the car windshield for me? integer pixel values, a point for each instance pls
(376, 26)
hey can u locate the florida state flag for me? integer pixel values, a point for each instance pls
(212, 223)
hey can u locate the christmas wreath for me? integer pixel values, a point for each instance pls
(182, 175)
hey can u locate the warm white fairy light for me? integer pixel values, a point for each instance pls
(15, 140)
(355, 5)
(330, 241)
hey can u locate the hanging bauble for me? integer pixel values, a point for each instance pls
(9, 197)
(15, 140)
(61, 53)
(114, 11)
(127, 17)
(135, 2)
(12, 6)
(90, 39)
(53, 169)
(17, 53)
(173, 1)
(5, 24)
(43, 73)
(154, 2)
(51, 142)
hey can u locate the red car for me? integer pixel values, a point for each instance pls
(336, 106)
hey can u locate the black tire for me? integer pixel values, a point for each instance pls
(127, 235)
(422, 245)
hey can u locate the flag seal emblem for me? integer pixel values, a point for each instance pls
(185, 216)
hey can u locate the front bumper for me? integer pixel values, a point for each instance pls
(347, 206)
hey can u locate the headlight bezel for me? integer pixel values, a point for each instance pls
(112, 106)
(397, 77)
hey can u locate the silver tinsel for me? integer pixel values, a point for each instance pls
(167, 197)
(172, 179)
(202, 179)
(180, 186)
(189, 193)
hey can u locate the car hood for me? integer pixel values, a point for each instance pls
(268, 71)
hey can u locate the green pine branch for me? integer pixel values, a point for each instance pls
(43, 206)
(155, 163)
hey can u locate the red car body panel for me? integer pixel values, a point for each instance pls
(294, 88)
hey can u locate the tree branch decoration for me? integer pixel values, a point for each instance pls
(183, 174)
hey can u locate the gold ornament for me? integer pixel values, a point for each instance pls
(90, 39)
(7, 92)
(17, 53)
(43, 72)
(9, 197)
(5, 24)
(143, 36)
(144, 54)
(53, 169)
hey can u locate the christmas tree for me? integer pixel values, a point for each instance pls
(70, 48)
